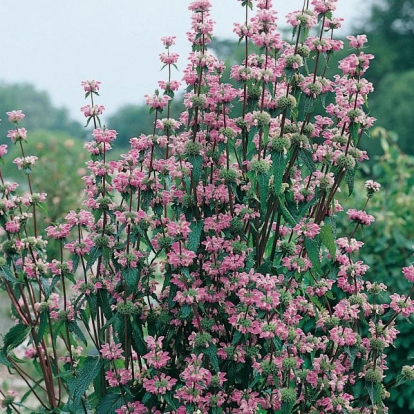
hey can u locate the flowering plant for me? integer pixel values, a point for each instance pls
(206, 270)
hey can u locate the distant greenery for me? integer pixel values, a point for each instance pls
(388, 243)
(390, 30)
(132, 120)
(58, 172)
(39, 110)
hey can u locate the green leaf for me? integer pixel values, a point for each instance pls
(353, 131)
(130, 275)
(196, 161)
(374, 392)
(352, 352)
(312, 249)
(15, 337)
(172, 402)
(285, 212)
(138, 342)
(74, 328)
(263, 181)
(4, 360)
(309, 104)
(316, 302)
(350, 178)
(286, 408)
(110, 403)
(94, 254)
(7, 274)
(90, 369)
(211, 353)
(306, 156)
(327, 238)
(103, 303)
(279, 164)
(194, 237)
(42, 326)
(185, 312)
(399, 381)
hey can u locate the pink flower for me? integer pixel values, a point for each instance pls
(169, 86)
(402, 304)
(95, 110)
(409, 273)
(81, 218)
(160, 384)
(358, 41)
(18, 134)
(132, 408)
(13, 226)
(168, 41)
(3, 150)
(324, 6)
(156, 101)
(90, 85)
(59, 231)
(15, 116)
(121, 376)
(169, 58)
(360, 216)
(307, 228)
(25, 163)
(179, 256)
(111, 351)
(104, 135)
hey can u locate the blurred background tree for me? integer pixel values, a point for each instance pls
(40, 113)
(390, 30)
(388, 244)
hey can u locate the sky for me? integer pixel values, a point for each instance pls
(55, 44)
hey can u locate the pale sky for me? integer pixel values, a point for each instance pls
(55, 44)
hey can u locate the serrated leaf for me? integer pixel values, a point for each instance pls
(286, 408)
(94, 254)
(211, 353)
(285, 212)
(351, 352)
(399, 381)
(374, 392)
(185, 312)
(130, 275)
(194, 237)
(316, 302)
(350, 178)
(279, 164)
(353, 131)
(7, 274)
(197, 162)
(306, 156)
(263, 182)
(138, 342)
(109, 403)
(16, 336)
(327, 238)
(90, 369)
(74, 328)
(103, 303)
(43, 319)
(4, 360)
(312, 249)
(309, 104)
(172, 402)
(236, 337)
